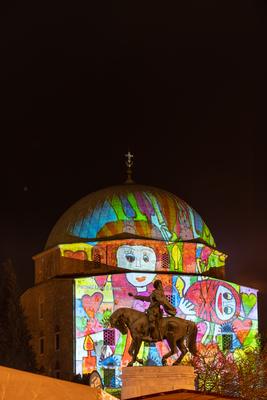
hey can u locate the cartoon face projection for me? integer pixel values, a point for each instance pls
(214, 301)
(225, 303)
(136, 258)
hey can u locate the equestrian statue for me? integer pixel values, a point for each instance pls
(151, 326)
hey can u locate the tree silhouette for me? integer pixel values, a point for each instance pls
(243, 376)
(15, 348)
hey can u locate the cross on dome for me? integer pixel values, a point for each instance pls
(129, 163)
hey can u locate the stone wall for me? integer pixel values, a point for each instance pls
(49, 310)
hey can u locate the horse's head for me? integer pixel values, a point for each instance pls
(111, 321)
(117, 321)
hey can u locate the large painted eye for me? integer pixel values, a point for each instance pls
(227, 296)
(130, 258)
(145, 258)
(228, 310)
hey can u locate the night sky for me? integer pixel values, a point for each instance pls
(183, 86)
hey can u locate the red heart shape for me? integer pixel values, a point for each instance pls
(92, 303)
(242, 328)
(101, 281)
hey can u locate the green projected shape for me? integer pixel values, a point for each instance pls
(142, 211)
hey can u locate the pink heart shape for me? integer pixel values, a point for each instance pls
(92, 303)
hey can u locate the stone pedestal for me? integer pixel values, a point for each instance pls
(139, 381)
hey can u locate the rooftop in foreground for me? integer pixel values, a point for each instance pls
(21, 385)
(183, 394)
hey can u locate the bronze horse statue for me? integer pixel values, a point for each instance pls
(175, 330)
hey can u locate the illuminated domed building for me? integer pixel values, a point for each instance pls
(119, 240)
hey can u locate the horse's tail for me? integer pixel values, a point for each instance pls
(192, 337)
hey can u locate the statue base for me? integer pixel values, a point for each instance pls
(139, 381)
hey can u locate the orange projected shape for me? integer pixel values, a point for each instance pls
(242, 329)
(77, 255)
(88, 343)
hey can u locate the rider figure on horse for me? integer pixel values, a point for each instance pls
(154, 312)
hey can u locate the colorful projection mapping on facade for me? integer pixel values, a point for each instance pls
(149, 213)
(141, 254)
(225, 313)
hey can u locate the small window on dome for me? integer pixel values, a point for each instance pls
(165, 261)
(97, 258)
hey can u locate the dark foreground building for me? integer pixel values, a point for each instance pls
(119, 240)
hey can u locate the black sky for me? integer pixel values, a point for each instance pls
(183, 85)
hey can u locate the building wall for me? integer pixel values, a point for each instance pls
(225, 314)
(102, 284)
(106, 257)
(49, 310)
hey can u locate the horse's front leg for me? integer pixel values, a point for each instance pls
(172, 345)
(133, 351)
(183, 350)
(138, 345)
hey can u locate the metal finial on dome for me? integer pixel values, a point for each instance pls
(129, 164)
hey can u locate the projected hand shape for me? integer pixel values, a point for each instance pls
(187, 307)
